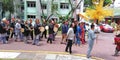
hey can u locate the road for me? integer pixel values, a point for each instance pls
(103, 48)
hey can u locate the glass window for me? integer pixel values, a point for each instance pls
(44, 6)
(64, 6)
(31, 4)
(31, 16)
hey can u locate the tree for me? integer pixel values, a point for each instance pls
(90, 3)
(8, 6)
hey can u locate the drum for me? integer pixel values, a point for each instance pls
(46, 27)
(11, 29)
(22, 29)
(42, 29)
(55, 29)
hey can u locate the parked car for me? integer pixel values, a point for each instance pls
(96, 29)
(106, 28)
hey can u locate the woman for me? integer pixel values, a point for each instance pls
(70, 38)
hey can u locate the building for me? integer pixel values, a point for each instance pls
(39, 8)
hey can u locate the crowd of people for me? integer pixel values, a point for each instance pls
(72, 32)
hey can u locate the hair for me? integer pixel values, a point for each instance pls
(92, 26)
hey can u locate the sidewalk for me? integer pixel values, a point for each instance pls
(42, 55)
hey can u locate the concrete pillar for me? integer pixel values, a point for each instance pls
(38, 9)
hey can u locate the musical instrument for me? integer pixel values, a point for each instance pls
(46, 27)
(42, 29)
(56, 26)
(22, 29)
(55, 29)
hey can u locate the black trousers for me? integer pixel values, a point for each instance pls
(69, 46)
(31, 34)
(12, 34)
(44, 34)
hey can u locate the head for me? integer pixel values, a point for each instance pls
(72, 25)
(37, 21)
(92, 26)
(12, 19)
(30, 20)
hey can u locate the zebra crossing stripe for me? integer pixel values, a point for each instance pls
(8, 55)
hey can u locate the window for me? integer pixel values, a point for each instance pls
(44, 6)
(64, 6)
(31, 4)
(31, 16)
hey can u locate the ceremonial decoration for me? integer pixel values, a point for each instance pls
(98, 12)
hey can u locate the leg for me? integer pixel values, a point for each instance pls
(70, 46)
(67, 46)
(89, 49)
(45, 33)
(31, 34)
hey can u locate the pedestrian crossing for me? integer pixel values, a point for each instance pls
(39, 56)
(10, 55)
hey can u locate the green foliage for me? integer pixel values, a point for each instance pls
(8, 6)
(89, 2)
(107, 2)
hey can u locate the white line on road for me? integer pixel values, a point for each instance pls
(8, 55)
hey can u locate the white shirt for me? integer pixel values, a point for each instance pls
(70, 34)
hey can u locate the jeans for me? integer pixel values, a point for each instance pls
(3, 39)
(36, 40)
(77, 41)
(90, 43)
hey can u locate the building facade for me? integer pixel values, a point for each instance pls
(38, 8)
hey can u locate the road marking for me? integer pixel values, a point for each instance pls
(50, 52)
(9, 54)
(50, 57)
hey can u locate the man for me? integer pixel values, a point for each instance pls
(91, 38)
(64, 32)
(3, 31)
(45, 32)
(26, 32)
(18, 30)
(78, 35)
(37, 32)
(12, 27)
(51, 32)
(31, 27)
(70, 38)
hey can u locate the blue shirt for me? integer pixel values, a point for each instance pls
(78, 30)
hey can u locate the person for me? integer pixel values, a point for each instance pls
(78, 35)
(64, 31)
(70, 38)
(12, 27)
(18, 30)
(91, 38)
(45, 32)
(3, 31)
(113, 24)
(51, 32)
(82, 32)
(117, 40)
(37, 32)
(26, 32)
(31, 28)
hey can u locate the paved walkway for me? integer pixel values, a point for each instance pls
(42, 55)
(103, 48)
